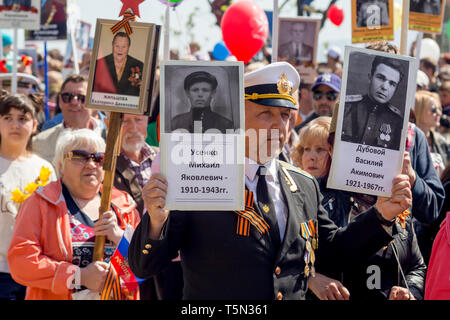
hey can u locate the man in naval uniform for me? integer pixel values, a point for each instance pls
(371, 119)
(200, 88)
(268, 250)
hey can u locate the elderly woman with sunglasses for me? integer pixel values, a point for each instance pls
(52, 245)
(428, 113)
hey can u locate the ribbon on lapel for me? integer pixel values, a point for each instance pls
(125, 22)
(250, 216)
(401, 218)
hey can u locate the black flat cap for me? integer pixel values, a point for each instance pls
(200, 76)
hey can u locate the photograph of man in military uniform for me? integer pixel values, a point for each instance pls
(297, 40)
(118, 72)
(374, 110)
(206, 98)
(372, 13)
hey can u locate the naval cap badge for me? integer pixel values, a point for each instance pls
(284, 86)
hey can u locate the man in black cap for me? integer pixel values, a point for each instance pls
(200, 88)
(371, 119)
(325, 91)
(268, 250)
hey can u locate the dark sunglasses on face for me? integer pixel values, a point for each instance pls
(67, 97)
(83, 157)
(331, 95)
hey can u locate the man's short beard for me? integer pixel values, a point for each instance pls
(133, 147)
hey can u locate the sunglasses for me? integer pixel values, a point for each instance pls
(331, 95)
(82, 157)
(67, 97)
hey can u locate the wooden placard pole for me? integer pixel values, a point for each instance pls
(109, 166)
(404, 37)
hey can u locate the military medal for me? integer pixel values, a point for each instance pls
(315, 243)
(385, 130)
(266, 208)
(307, 270)
(308, 246)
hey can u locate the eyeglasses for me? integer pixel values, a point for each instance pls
(67, 97)
(434, 109)
(331, 95)
(82, 157)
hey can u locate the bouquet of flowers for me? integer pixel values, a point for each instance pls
(20, 196)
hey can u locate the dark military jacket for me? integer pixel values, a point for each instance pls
(377, 125)
(208, 119)
(106, 76)
(219, 262)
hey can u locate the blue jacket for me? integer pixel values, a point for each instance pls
(427, 193)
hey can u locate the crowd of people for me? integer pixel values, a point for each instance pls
(306, 241)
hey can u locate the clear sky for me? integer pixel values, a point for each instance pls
(205, 31)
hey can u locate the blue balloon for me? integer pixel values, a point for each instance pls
(220, 51)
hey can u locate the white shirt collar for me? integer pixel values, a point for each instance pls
(251, 167)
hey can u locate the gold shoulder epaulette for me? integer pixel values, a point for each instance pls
(292, 168)
(353, 98)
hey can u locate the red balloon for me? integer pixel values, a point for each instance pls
(335, 14)
(244, 29)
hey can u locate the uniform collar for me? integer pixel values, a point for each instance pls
(251, 167)
(373, 103)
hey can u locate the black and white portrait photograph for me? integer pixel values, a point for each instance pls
(201, 134)
(372, 13)
(201, 97)
(375, 100)
(371, 127)
(297, 39)
(120, 65)
(426, 6)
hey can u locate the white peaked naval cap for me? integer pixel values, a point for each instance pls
(272, 85)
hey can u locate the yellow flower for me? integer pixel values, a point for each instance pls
(45, 174)
(31, 187)
(18, 196)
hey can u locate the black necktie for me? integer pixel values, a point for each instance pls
(266, 206)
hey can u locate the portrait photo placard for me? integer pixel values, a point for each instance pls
(53, 25)
(202, 134)
(372, 20)
(121, 75)
(377, 91)
(297, 44)
(426, 16)
(20, 14)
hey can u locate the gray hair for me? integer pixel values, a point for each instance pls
(72, 139)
